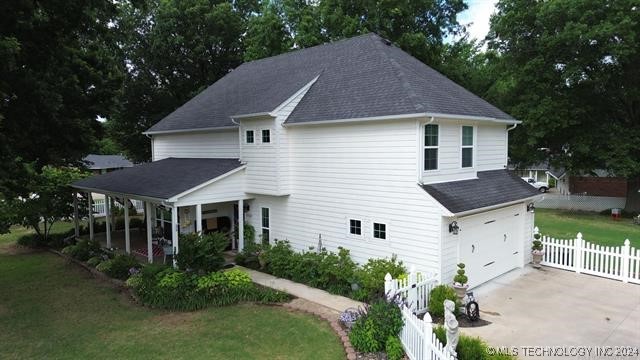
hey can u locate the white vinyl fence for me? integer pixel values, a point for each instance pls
(99, 206)
(417, 337)
(614, 262)
(414, 289)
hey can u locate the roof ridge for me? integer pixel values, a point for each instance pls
(299, 50)
(399, 73)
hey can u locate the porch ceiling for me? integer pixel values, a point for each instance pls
(159, 180)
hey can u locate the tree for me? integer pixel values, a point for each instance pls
(568, 69)
(266, 35)
(173, 50)
(50, 199)
(59, 71)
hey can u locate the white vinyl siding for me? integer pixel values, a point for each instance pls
(489, 151)
(215, 144)
(361, 171)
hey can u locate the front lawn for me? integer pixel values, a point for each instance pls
(595, 228)
(51, 309)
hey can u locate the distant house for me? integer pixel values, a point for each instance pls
(102, 164)
(354, 142)
(556, 177)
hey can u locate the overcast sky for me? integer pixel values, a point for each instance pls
(478, 16)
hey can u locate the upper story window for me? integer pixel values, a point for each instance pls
(431, 147)
(467, 146)
(249, 137)
(355, 227)
(266, 136)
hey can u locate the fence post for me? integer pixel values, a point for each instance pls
(427, 335)
(389, 290)
(577, 255)
(412, 292)
(626, 258)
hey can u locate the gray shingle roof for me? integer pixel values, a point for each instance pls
(97, 162)
(161, 179)
(357, 77)
(492, 187)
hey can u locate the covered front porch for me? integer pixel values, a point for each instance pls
(180, 196)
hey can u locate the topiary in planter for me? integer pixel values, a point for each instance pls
(461, 278)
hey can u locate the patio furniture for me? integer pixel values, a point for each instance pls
(157, 251)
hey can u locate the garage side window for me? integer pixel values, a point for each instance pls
(249, 136)
(355, 227)
(467, 146)
(431, 147)
(379, 231)
(265, 225)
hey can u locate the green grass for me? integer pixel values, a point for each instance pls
(51, 309)
(595, 228)
(16, 231)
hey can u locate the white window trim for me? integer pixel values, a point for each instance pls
(270, 136)
(254, 137)
(424, 147)
(262, 227)
(362, 224)
(386, 229)
(472, 147)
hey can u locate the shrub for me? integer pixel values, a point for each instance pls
(469, 348)
(94, 261)
(83, 250)
(29, 240)
(280, 260)
(371, 276)
(119, 266)
(201, 253)
(393, 348)
(460, 277)
(373, 328)
(136, 223)
(437, 297)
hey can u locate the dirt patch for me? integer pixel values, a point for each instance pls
(174, 319)
(15, 249)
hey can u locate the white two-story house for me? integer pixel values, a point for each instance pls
(355, 142)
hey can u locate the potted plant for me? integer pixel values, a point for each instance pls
(460, 282)
(537, 250)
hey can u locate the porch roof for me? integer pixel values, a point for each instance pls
(160, 180)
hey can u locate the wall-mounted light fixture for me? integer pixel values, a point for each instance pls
(531, 208)
(454, 228)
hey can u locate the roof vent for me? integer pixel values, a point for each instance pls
(386, 42)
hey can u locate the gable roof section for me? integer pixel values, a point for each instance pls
(359, 77)
(97, 162)
(161, 179)
(491, 188)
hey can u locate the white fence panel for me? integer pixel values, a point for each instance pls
(99, 206)
(418, 339)
(414, 289)
(613, 262)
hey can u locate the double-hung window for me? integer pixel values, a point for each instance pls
(467, 146)
(265, 225)
(266, 136)
(249, 137)
(379, 230)
(431, 147)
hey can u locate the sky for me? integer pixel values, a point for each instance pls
(478, 16)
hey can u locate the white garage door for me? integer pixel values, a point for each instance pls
(491, 243)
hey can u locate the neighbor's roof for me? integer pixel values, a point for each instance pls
(161, 179)
(359, 77)
(491, 188)
(97, 162)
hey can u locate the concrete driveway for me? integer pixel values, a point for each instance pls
(551, 307)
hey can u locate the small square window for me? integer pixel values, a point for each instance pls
(249, 137)
(266, 136)
(379, 231)
(355, 227)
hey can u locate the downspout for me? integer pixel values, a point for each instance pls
(506, 161)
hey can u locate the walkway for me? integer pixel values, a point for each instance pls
(333, 302)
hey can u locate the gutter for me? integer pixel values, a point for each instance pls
(117, 194)
(405, 116)
(189, 130)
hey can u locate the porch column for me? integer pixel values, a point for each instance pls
(91, 235)
(174, 233)
(76, 221)
(127, 236)
(233, 232)
(199, 218)
(147, 210)
(107, 218)
(240, 225)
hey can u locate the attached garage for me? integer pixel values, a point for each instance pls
(491, 243)
(493, 228)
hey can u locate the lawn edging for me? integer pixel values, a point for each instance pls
(97, 274)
